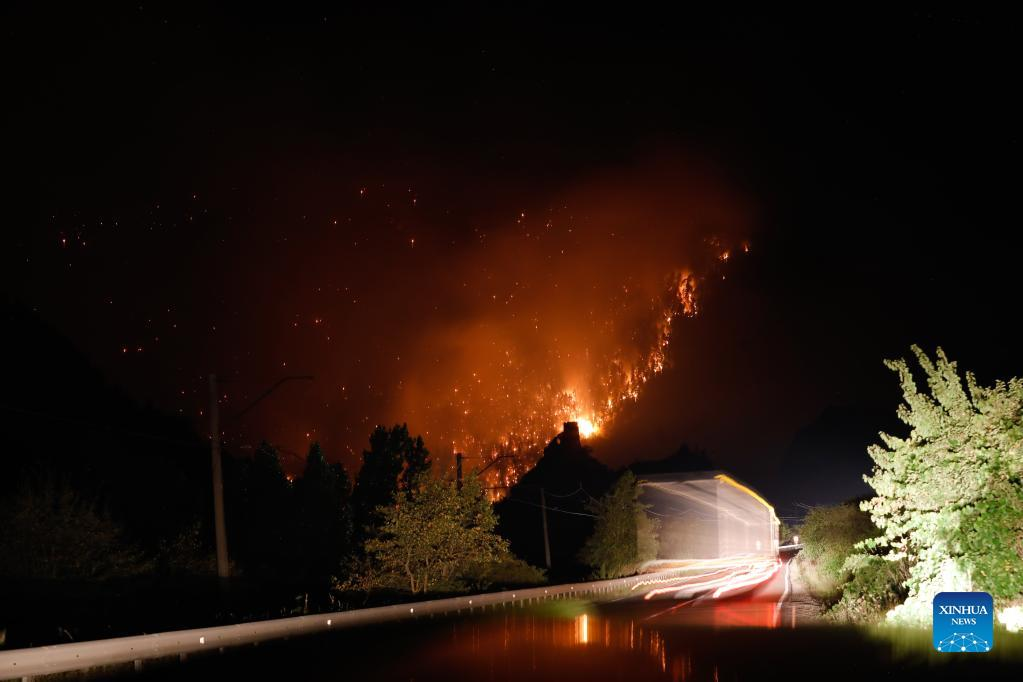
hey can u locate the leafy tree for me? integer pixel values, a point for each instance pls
(51, 532)
(949, 497)
(430, 539)
(829, 536)
(624, 536)
(393, 462)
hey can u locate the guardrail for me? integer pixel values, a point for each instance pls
(82, 656)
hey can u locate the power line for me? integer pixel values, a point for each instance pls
(577, 490)
(554, 509)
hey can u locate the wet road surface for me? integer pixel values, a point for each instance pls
(766, 631)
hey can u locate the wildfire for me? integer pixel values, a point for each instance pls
(557, 328)
(607, 386)
(586, 427)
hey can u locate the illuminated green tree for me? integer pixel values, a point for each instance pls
(949, 497)
(427, 540)
(624, 536)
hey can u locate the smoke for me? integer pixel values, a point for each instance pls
(566, 309)
(483, 313)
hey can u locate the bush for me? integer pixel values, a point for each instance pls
(506, 572)
(874, 589)
(829, 536)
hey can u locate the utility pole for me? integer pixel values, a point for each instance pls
(546, 539)
(223, 570)
(458, 469)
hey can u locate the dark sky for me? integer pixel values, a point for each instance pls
(450, 218)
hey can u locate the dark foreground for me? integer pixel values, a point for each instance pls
(754, 636)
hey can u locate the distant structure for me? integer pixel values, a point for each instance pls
(569, 438)
(708, 515)
(554, 494)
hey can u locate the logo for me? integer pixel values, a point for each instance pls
(963, 622)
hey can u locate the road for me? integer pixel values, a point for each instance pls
(748, 631)
(764, 632)
(727, 597)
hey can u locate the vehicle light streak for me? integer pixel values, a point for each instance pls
(760, 576)
(683, 584)
(733, 562)
(736, 577)
(691, 588)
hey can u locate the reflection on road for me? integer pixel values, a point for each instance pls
(759, 634)
(635, 639)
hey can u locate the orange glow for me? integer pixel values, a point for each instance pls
(534, 349)
(586, 427)
(584, 629)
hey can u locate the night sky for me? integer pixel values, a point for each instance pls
(452, 219)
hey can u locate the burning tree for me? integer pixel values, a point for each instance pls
(950, 495)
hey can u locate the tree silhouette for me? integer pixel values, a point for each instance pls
(261, 528)
(395, 461)
(569, 475)
(322, 518)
